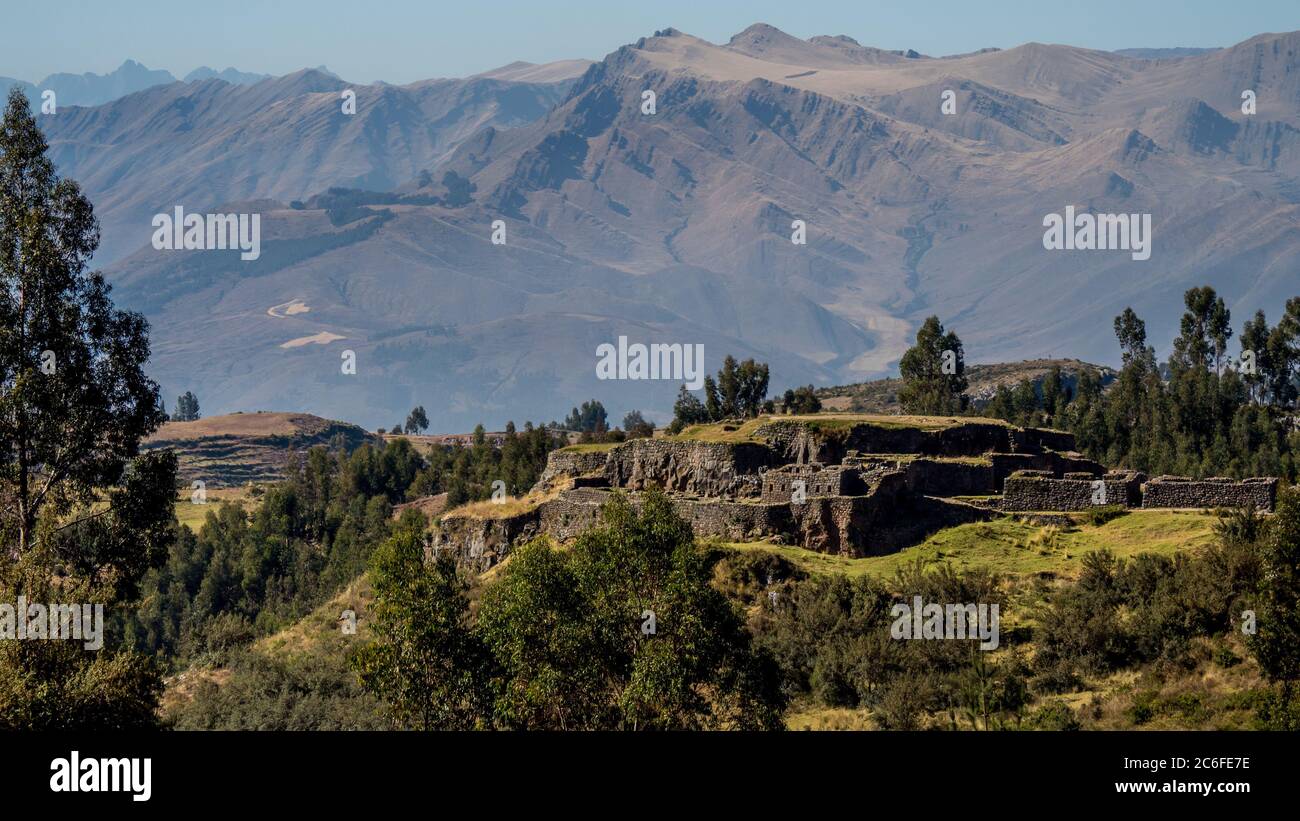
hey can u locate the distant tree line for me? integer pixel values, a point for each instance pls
(466, 474)
(187, 408)
(1201, 413)
(738, 392)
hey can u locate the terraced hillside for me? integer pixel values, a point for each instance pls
(249, 447)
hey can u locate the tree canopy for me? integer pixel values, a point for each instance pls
(85, 513)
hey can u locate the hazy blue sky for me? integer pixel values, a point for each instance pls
(404, 40)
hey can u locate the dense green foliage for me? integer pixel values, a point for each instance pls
(429, 666)
(310, 690)
(801, 400)
(831, 635)
(1198, 414)
(832, 638)
(933, 372)
(187, 408)
(739, 391)
(637, 426)
(1276, 643)
(590, 418)
(623, 631)
(85, 515)
(466, 474)
(417, 421)
(244, 576)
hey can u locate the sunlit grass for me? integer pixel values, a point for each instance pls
(193, 515)
(1013, 546)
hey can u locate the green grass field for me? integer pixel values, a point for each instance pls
(591, 447)
(192, 515)
(1013, 547)
(825, 422)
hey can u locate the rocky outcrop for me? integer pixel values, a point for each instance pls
(479, 542)
(884, 519)
(574, 511)
(929, 477)
(829, 442)
(799, 443)
(710, 469)
(568, 464)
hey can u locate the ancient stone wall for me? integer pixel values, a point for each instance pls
(567, 464)
(885, 518)
(1030, 490)
(574, 511)
(781, 484)
(934, 478)
(1053, 463)
(800, 442)
(571, 512)
(972, 439)
(869, 489)
(883, 522)
(1038, 440)
(848, 525)
(735, 521)
(966, 440)
(727, 470)
(1176, 491)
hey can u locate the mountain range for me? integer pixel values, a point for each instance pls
(90, 89)
(675, 225)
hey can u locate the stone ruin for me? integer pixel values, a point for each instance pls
(856, 488)
(1030, 490)
(813, 479)
(1179, 491)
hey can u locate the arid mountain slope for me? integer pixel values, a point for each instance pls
(675, 226)
(202, 144)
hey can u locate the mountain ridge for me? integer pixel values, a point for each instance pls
(675, 226)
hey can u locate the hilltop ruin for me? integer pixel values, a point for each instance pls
(849, 485)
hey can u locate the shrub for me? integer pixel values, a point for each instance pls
(1098, 516)
(1052, 715)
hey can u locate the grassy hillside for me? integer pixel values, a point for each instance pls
(1015, 546)
(747, 431)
